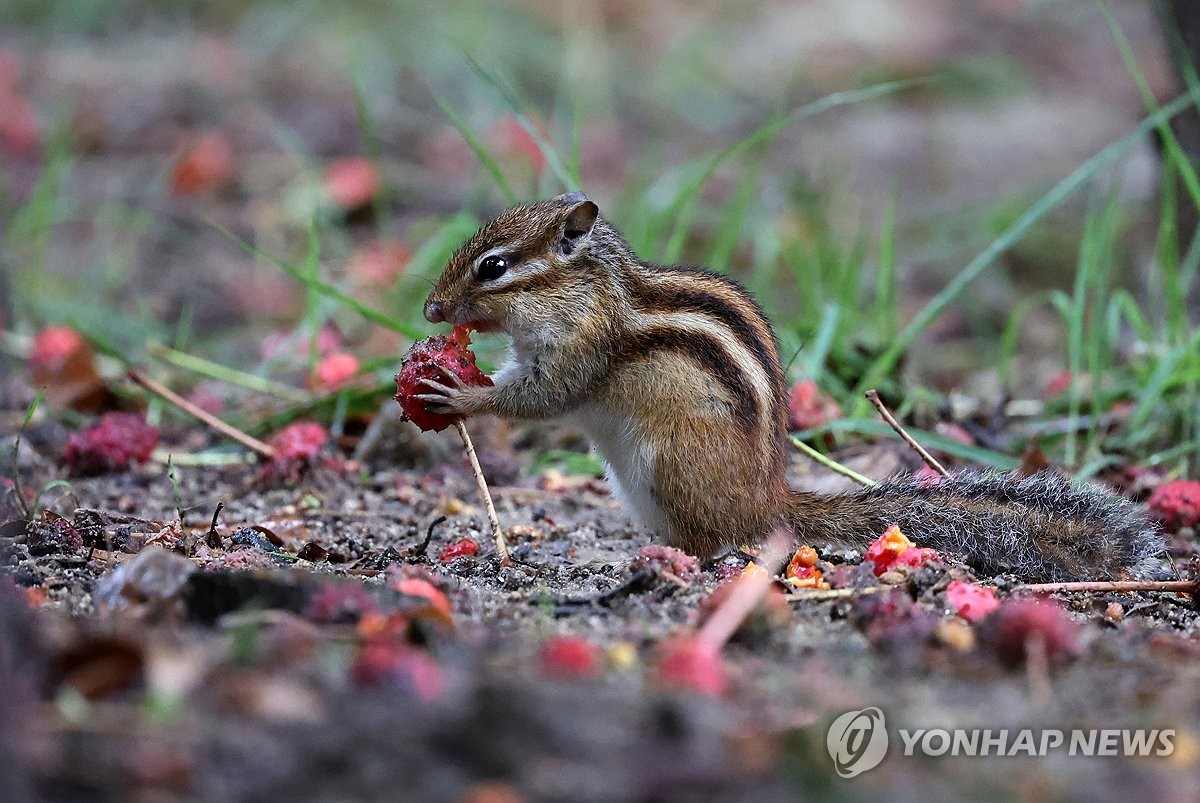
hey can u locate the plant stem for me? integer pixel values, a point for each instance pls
(481, 483)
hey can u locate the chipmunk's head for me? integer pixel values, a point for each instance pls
(531, 259)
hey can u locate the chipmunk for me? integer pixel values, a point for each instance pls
(674, 375)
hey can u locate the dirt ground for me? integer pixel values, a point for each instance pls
(233, 674)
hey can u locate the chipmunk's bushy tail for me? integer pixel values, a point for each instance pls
(1040, 527)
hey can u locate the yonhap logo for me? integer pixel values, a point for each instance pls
(857, 741)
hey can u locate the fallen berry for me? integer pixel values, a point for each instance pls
(570, 658)
(36, 597)
(809, 407)
(687, 664)
(20, 133)
(384, 661)
(344, 603)
(667, 558)
(1019, 624)
(333, 371)
(970, 601)
(1058, 384)
(116, 442)
(51, 534)
(893, 549)
(894, 623)
(296, 446)
(351, 183)
(417, 587)
(206, 165)
(752, 569)
(460, 548)
(425, 360)
(802, 571)
(1176, 503)
(53, 348)
(511, 138)
(63, 363)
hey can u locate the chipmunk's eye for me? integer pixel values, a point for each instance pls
(492, 267)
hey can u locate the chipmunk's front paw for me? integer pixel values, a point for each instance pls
(452, 398)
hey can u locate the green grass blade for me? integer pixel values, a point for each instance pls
(890, 356)
(730, 231)
(485, 157)
(1012, 332)
(223, 373)
(370, 136)
(683, 208)
(930, 440)
(814, 362)
(507, 93)
(32, 409)
(1187, 172)
(886, 304)
(326, 289)
(312, 297)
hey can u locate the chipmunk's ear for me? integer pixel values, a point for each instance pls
(578, 223)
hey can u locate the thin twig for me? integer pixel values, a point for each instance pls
(213, 538)
(16, 457)
(930, 460)
(832, 464)
(1181, 586)
(423, 547)
(824, 595)
(1037, 670)
(501, 546)
(158, 389)
(750, 588)
(638, 581)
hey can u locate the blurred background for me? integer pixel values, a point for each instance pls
(844, 158)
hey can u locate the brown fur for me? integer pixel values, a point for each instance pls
(664, 360)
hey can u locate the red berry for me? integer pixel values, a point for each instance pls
(570, 658)
(117, 441)
(206, 165)
(299, 441)
(689, 665)
(340, 604)
(422, 362)
(1176, 503)
(1059, 384)
(53, 347)
(418, 587)
(970, 601)
(333, 371)
(1019, 623)
(458, 549)
(20, 134)
(386, 661)
(510, 137)
(668, 558)
(351, 183)
(809, 407)
(296, 446)
(893, 549)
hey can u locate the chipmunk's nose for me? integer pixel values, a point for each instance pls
(434, 311)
